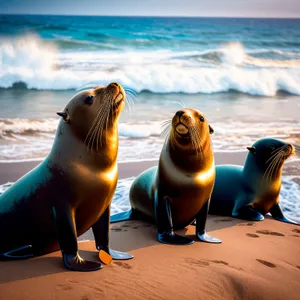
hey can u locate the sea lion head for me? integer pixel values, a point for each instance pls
(268, 155)
(93, 114)
(190, 131)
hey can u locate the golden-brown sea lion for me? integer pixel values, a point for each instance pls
(72, 189)
(177, 191)
(251, 191)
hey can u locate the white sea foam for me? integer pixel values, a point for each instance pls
(40, 66)
(25, 140)
(289, 197)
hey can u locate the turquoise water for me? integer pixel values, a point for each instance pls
(161, 55)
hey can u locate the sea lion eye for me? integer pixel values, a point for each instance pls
(89, 100)
(272, 147)
(201, 119)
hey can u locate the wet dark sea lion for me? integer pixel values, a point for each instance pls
(72, 189)
(251, 191)
(178, 190)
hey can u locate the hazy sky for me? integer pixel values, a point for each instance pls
(227, 8)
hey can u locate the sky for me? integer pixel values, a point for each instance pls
(218, 8)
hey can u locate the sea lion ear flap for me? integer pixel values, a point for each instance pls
(211, 130)
(65, 116)
(252, 150)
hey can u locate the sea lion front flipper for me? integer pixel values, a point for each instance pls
(200, 226)
(247, 212)
(67, 238)
(277, 214)
(101, 234)
(23, 252)
(164, 223)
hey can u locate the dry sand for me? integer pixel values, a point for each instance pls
(258, 260)
(255, 261)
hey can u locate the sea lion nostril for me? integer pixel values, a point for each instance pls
(115, 84)
(179, 113)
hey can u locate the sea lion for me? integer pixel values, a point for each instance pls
(252, 191)
(72, 189)
(178, 190)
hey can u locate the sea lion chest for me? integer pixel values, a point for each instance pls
(187, 191)
(92, 194)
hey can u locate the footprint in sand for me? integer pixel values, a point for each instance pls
(222, 262)
(268, 232)
(123, 265)
(298, 267)
(266, 263)
(125, 225)
(64, 287)
(248, 224)
(223, 220)
(117, 229)
(252, 235)
(296, 230)
(196, 262)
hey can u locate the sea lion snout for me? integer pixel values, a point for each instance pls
(183, 117)
(289, 150)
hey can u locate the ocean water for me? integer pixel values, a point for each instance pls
(244, 74)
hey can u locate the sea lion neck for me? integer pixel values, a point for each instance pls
(190, 161)
(261, 177)
(71, 148)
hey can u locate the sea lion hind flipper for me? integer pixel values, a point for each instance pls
(23, 252)
(101, 234)
(164, 223)
(123, 216)
(200, 226)
(247, 212)
(278, 215)
(65, 227)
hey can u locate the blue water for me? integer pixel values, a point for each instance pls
(161, 55)
(144, 33)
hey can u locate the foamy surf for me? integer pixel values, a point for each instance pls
(40, 65)
(30, 140)
(289, 196)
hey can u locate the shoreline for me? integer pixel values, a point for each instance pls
(12, 171)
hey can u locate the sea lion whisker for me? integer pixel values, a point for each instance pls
(92, 131)
(274, 154)
(277, 165)
(268, 170)
(166, 121)
(195, 139)
(98, 127)
(198, 138)
(165, 130)
(100, 116)
(162, 128)
(128, 88)
(274, 163)
(276, 150)
(105, 114)
(180, 104)
(273, 167)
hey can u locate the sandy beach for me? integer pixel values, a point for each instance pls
(255, 261)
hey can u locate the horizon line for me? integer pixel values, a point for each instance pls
(147, 16)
